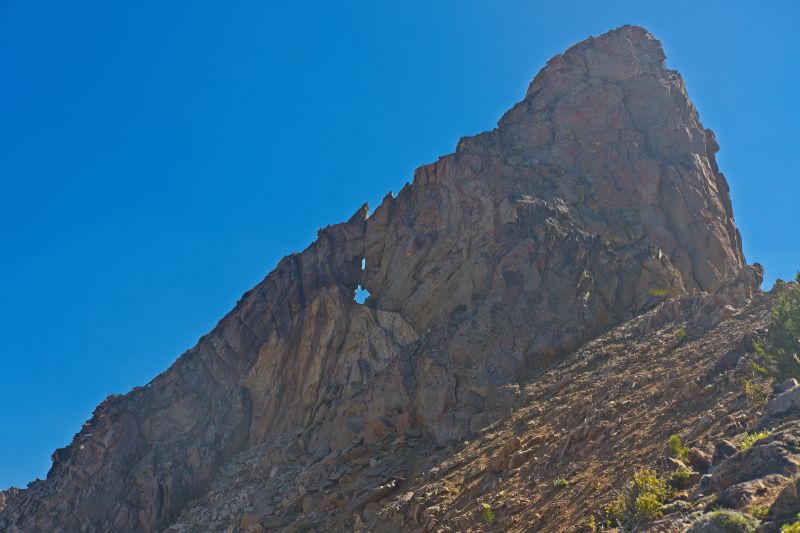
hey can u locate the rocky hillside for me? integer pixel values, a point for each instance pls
(548, 305)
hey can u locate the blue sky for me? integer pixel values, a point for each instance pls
(158, 158)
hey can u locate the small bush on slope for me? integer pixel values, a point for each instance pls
(677, 448)
(642, 502)
(487, 514)
(725, 522)
(751, 438)
(756, 390)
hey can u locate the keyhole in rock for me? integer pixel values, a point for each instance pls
(361, 293)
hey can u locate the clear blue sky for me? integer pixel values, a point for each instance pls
(158, 158)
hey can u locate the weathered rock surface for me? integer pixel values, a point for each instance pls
(754, 476)
(595, 199)
(785, 404)
(593, 419)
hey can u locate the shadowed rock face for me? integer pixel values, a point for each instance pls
(595, 197)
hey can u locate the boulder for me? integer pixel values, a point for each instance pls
(698, 459)
(757, 475)
(784, 404)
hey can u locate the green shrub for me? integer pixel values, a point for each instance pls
(751, 438)
(780, 346)
(560, 483)
(680, 475)
(677, 448)
(659, 293)
(642, 501)
(791, 528)
(647, 507)
(725, 521)
(487, 514)
(756, 392)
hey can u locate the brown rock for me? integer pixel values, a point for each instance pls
(596, 198)
(758, 492)
(519, 458)
(249, 520)
(698, 459)
(686, 480)
(722, 450)
(787, 502)
(370, 513)
(723, 313)
(311, 503)
(500, 460)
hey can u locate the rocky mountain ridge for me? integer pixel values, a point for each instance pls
(595, 205)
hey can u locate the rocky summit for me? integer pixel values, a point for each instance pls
(547, 306)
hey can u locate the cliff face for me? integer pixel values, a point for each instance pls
(596, 198)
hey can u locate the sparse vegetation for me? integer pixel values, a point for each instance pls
(677, 448)
(487, 514)
(777, 352)
(680, 475)
(680, 334)
(560, 483)
(756, 392)
(725, 521)
(779, 348)
(759, 388)
(759, 511)
(793, 527)
(751, 438)
(659, 293)
(642, 501)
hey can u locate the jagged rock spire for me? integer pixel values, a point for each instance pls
(595, 197)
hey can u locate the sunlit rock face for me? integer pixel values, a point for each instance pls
(595, 198)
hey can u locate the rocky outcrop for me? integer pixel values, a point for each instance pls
(596, 198)
(754, 476)
(576, 435)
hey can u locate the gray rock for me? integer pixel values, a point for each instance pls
(784, 404)
(722, 450)
(785, 386)
(757, 475)
(705, 484)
